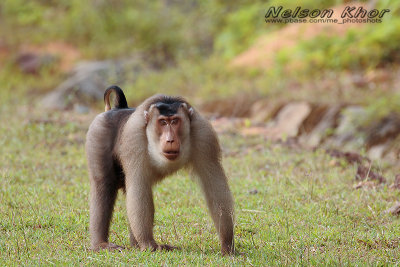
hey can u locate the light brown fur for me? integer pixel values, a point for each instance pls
(122, 152)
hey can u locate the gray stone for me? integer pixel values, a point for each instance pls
(383, 131)
(88, 81)
(263, 110)
(290, 118)
(81, 109)
(320, 131)
(349, 128)
(378, 151)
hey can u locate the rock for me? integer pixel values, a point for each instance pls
(263, 110)
(381, 135)
(386, 129)
(316, 115)
(393, 155)
(237, 106)
(227, 125)
(377, 152)
(395, 209)
(89, 80)
(290, 118)
(326, 122)
(348, 128)
(285, 125)
(81, 109)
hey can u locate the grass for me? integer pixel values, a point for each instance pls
(306, 211)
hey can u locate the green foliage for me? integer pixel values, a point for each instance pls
(242, 26)
(166, 30)
(111, 28)
(374, 45)
(24, 13)
(305, 3)
(169, 31)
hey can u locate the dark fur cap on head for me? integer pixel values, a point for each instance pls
(166, 105)
(167, 109)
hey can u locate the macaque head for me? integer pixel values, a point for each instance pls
(168, 129)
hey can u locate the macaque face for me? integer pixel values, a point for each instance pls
(168, 130)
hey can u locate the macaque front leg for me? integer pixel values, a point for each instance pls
(132, 238)
(140, 207)
(220, 204)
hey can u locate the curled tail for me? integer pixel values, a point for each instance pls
(119, 101)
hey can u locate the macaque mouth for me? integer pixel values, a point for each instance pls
(171, 155)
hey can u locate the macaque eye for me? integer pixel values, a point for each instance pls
(174, 121)
(163, 122)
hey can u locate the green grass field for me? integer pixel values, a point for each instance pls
(306, 211)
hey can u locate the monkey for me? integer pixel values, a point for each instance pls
(134, 148)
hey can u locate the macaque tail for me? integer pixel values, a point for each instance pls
(119, 101)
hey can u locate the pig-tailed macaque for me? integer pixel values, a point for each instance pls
(134, 149)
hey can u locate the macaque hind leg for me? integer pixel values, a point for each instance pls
(102, 199)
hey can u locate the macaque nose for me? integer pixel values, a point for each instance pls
(170, 137)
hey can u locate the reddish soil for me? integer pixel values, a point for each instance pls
(66, 53)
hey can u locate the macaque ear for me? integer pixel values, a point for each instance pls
(190, 110)
(147, 113)
(146, 116)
